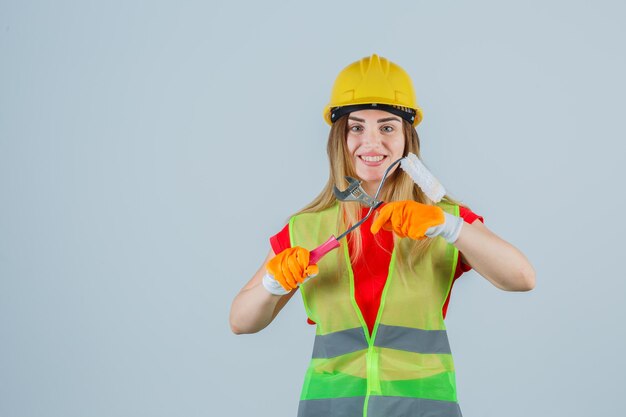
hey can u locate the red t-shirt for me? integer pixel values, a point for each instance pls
(370, 270)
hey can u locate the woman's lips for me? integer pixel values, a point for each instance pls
(372, 160)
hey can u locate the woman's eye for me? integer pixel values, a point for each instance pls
(387, 129)
(355, 128)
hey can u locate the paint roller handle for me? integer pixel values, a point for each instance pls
(319, 252)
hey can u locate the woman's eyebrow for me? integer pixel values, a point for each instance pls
(388, 119)
(357, 119)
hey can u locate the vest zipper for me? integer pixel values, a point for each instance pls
(371, 357)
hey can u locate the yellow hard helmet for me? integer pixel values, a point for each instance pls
(373, 82)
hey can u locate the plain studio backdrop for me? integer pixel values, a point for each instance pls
(148, 150)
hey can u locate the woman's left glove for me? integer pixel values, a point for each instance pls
(417, 221)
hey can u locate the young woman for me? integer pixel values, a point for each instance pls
(379, 300)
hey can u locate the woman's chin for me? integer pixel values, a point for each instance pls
(370, 182)
(370, 175)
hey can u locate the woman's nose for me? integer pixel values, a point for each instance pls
(372, 137)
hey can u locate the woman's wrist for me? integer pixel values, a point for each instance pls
(450, 229)
(273, 286)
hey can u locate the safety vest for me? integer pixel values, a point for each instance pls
(405, 367)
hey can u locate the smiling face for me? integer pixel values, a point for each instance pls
(375, 139)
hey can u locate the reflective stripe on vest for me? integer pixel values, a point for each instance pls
(412, 340)
(414, 407)
(345, 407)
(379, 407)
(392, 337)
(339, 343)
(405, 367)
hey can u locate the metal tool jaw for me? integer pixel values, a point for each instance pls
(354, 192)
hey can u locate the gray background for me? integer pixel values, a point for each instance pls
(149, 149)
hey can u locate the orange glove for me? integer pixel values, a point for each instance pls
(408, 218)
(290, 268)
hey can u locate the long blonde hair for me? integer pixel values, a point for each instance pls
(398, 186)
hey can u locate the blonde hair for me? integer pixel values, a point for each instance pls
(397, 187)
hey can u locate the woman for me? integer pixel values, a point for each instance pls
(379, 300)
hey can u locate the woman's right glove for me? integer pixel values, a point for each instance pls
(287, 270)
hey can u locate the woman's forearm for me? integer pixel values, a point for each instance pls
(252, 309)
(495, 259)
